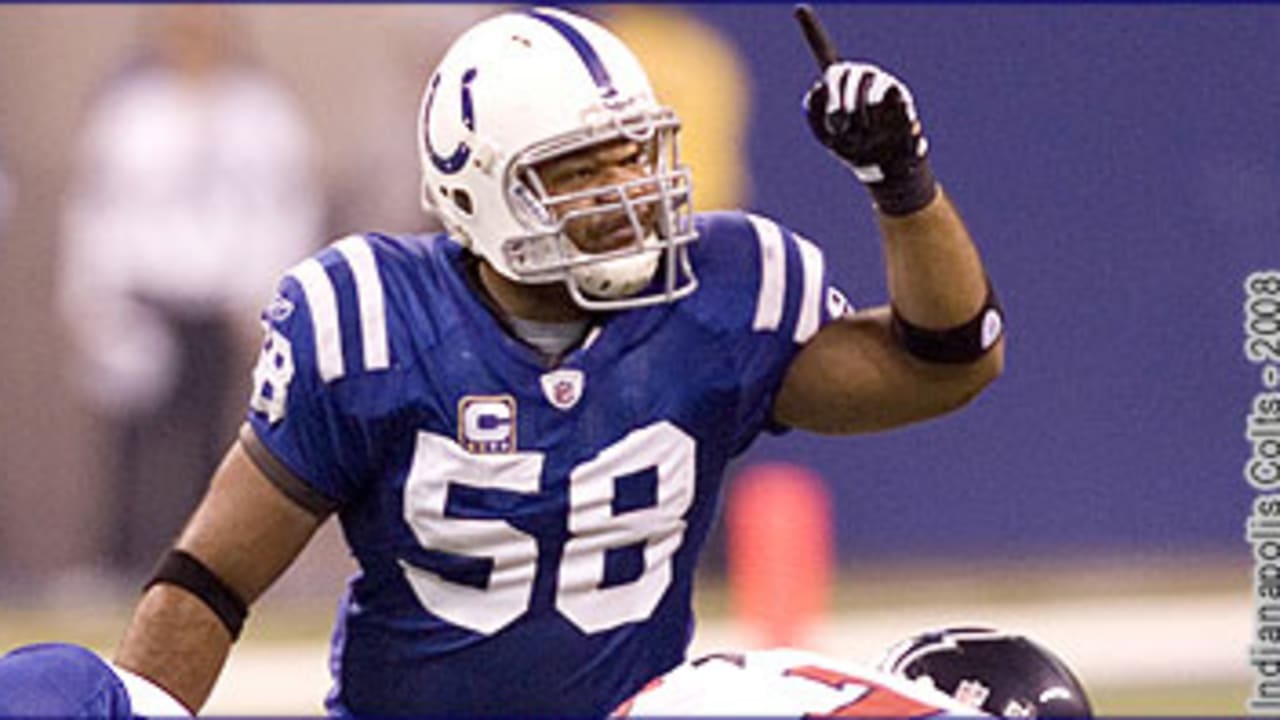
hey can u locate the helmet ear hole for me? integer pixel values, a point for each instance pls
(462, 200)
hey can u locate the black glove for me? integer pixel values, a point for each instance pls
(868, 119)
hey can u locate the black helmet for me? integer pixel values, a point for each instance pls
(999, 673)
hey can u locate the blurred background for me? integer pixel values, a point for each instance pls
(1117, 165)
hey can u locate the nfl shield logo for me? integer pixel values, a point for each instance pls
(972, 693)
(563, 388)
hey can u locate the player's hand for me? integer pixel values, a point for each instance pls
(867, 117)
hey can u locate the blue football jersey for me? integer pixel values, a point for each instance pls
(526, 534)
(60, 680)
(70, 681)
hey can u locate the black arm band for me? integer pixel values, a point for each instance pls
(958, 345)
(184, 570)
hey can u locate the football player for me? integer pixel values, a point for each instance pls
(962, 671)
(70, 681)
(522, 423)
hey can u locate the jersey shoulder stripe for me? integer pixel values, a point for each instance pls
(370, 297)
(773, 274)
(323, 279)
(812, 264)
(321, 299)
(775, 243)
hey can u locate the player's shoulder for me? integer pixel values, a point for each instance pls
(359, 303)
(774, 660)
(724, 234)
(392, 253)
(744, 249)
(756, 272)
(879, 692)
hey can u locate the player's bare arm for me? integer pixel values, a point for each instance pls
(939, 341)
(856, 376)
(246, 532)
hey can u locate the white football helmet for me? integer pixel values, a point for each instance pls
(523, 88)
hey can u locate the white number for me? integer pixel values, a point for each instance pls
(271, 376)
(440, 463)
(595, 528)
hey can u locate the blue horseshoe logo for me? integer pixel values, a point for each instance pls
(458, 158)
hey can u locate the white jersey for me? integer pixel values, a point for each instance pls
(788, 683)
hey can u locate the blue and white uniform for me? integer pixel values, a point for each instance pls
(526, 534)
(69, 681)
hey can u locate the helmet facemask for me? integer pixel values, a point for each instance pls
(647, 220)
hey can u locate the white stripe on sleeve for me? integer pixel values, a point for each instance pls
(811, 263)
(773, 274)
(373, 318)
(323, 302)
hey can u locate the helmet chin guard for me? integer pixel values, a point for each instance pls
(617, 278)
(523, 89)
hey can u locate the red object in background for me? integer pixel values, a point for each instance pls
(779, 552)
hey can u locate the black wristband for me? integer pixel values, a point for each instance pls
(181, 568)
(959, 345)
(907, 190)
